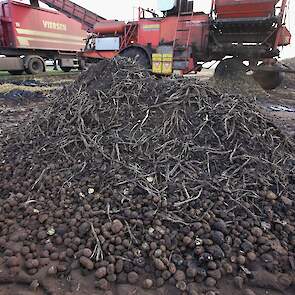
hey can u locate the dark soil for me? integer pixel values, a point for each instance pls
(35, 91)
(283, 96)
(31, 83)
(134, 185)
(21, 97)
(289, 80)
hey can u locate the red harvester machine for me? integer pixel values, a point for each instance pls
(181, 39)
(29, 34)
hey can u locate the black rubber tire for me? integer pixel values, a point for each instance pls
(35, 66)
(230, 68)
(66, 69)
(268, 80)
(14, 73)
(82, 65)
(139, 55)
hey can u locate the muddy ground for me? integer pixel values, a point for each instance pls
(280, 107)
(19, 101)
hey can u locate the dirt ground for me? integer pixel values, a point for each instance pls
(278, 105)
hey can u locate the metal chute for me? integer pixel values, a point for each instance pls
(165, 5)
(174, 7)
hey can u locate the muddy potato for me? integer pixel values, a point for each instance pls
(132, 277)
(147, 284)
(101, 272)
(52, 270)
(210, 282)
(142, 199)
(103, 284)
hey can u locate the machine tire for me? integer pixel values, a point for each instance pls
(268, 80)
(66, 69)
(17, 72)
(138, 54)
(35, 65)
(230, 68)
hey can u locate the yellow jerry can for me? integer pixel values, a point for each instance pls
(157, 63)
(167, 64)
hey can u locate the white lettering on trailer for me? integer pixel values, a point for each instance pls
(54, 26)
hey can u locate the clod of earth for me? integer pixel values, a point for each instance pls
(128, 176)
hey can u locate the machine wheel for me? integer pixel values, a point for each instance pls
(66, 69)
(268, 80)
(230, 68)
(35, 66)
(138, 54)
(14, 73)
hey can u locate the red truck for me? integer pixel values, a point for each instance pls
(29, 35)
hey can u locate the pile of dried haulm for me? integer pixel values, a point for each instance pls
(148, 181)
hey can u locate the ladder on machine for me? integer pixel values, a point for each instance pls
(129, 34)
(181, 43)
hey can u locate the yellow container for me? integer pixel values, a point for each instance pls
(167, 64)
(157, 63)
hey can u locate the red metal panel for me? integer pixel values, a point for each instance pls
(284, 36)
(1, 25)
(198, 26)
(109, 27)
(244, 8)
(168, 29)
(199, 33)
(99, 54)
(37, 28)
(149, 32)
(164, 30)
(7, 32)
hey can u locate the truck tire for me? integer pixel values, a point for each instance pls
(66, 69)
(35, 65)
(139, 54)
(230, 68)
(82, 65)
(14, 73)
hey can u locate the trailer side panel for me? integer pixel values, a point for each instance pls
(36, 28)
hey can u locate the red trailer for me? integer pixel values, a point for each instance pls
(30, 35)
